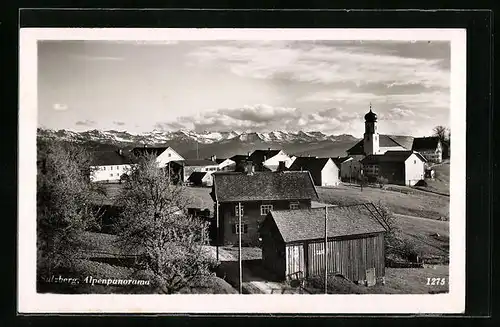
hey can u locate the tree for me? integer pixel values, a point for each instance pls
(441, 132)
(154, 221)
(66, 204)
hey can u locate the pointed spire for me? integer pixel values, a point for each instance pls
(370, 106)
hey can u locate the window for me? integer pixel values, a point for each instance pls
(294, 205)
(414, 162)
(236, 228)
(111, 175)
(236, 210)
(103, 168)
(265, 208)
(169, 154)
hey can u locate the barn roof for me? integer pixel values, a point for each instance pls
(288, 185)
(425, 143)
(385, 141)
(110, 158)
(258, 155)
(391, 156)
(309, 224)
(311, 164)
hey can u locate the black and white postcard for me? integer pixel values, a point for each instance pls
(242, 170)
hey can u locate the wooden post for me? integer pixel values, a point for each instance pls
(239, 248)
(217, 232)
(326, 249)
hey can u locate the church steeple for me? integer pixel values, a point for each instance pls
(371, 137)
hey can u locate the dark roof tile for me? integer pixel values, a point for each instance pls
(425, 143)
(288, 185)
(110, 158)
(309, 224)
(311, 164)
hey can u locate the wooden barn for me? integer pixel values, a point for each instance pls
(293, 242)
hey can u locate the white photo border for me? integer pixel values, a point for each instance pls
(29, 301)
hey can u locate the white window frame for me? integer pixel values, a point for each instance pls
(294, 205)
(268, 207)
(236, 210)
(237, 228)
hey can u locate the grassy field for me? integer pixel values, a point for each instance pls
(441, 182)
(418, 203)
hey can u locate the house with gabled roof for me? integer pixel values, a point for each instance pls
(350, 168)
(257, 193)
(164, 154)
(270, 158)
(293, 243)
(109, 166)
(324, 171)
(398, 167)
(188, 166)
(430, 147)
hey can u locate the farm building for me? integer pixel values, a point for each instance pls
(200, 178)
(189, 166)
(164, 155)
(109, 166)
(399, 167)
(270, 159)
(293, 242)
(350, 168)
(430, 147)
(324, 171)
(257, 193)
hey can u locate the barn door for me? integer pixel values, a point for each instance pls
(295, 254)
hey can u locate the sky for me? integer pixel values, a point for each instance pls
(243, 86)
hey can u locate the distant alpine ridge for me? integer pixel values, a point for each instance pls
(191, 144)
(161, 137)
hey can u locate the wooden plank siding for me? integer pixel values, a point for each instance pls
(349, 257)
(295, 260)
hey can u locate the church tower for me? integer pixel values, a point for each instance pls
(371, 138)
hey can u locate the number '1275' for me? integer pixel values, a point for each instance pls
(436, 281)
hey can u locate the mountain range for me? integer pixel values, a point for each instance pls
(191, 144)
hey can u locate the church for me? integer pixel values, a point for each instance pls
(393, 157)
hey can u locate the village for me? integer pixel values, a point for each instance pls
(280, 223)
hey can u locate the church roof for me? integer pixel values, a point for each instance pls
(385, 141)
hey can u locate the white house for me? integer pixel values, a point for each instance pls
(430, 147)
(324, 171)
(164, 155)
(109, 166)
(398, 167)
(270, 158)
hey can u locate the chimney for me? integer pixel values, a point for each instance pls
(249, 169)
(213, 157)
(268, 149)
(120, 152)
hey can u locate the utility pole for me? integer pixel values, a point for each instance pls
(197, 156)
(362, 179)
(326, 249)
(239, 247)
(217, 232)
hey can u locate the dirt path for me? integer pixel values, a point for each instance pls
(253, 284)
